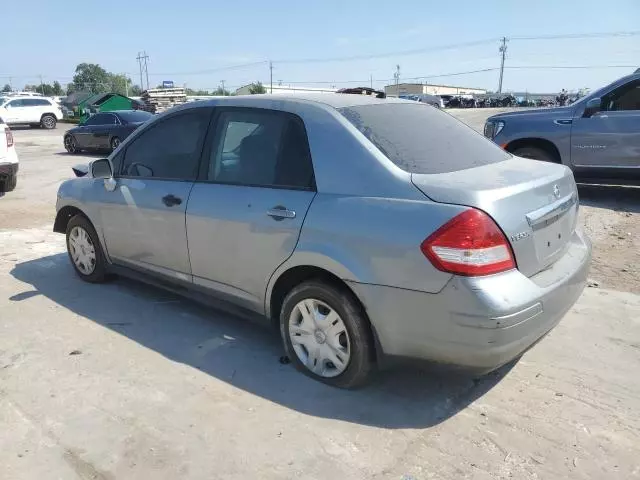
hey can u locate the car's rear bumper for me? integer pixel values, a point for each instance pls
(478, 323)
(8, 176)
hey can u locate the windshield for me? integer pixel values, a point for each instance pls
(134, 116)
(3, 100)
(422, 139)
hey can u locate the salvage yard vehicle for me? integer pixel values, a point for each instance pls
(598, 136)
(31, 110)
(104, 131)
(364, 228)
(8, 160)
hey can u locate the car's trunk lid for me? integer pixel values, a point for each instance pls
(534, 203)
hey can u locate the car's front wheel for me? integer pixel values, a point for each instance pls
(84, 250)
(48, 121)
(70, 144)
(326, 334)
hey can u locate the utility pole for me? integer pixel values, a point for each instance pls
(397, 77)
(503, 51)
(271, 76)
(126, 84)
(371, 81)
(11, 83)
(142, 62)
(41, 85)
(222, 82)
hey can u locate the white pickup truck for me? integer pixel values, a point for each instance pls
(8, 160)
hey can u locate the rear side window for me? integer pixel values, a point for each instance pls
(422, 139)
(262, 148)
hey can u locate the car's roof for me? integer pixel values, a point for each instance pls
(335, 100)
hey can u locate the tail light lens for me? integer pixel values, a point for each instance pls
(469, 244)
(9, 137)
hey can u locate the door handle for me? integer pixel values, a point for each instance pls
(171, 200)
(280, 213)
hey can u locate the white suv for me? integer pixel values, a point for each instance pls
(34, 111)
(8, 160)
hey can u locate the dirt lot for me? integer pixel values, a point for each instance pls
(123, 381)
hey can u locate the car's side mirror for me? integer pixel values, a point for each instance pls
(593, 106)
(101, 168)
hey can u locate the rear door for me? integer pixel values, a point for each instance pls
(610, 139)
(246, 210)
(143, 218)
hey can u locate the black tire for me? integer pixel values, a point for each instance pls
(534, 153)
(48, 121)
(99, 273)
(71, 145)
(115, 141)
(362, 363)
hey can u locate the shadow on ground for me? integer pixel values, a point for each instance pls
(621, 198)
(246, 355)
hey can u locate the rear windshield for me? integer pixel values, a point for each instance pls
(133, 116)
(422, 139)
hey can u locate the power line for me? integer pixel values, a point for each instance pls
(566, 36)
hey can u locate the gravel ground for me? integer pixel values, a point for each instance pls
(124, 381)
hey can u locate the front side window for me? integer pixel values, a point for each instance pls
(261, 148)
(626, 97)
(170, 149)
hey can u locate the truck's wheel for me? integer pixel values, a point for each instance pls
(534, 153)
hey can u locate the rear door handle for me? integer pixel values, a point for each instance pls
(171, 200)
(280, 213)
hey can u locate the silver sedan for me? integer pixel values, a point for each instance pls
(363, 228)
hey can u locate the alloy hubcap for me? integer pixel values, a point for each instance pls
(69, 144)
(48, 121)
(82, 250)
(319, 338)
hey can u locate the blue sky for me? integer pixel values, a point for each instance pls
(189, 39)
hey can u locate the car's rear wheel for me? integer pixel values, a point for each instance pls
(326, 334)
(84, 250)
(70, 144)
(115, 142)
(534, 153)
(48, 121)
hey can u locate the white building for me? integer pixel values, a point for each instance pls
(425, 88)
(286, 89)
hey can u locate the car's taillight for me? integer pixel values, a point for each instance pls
(9, 136)
(469, 244)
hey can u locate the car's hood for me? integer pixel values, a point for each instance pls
(73, 130)
(537, 112)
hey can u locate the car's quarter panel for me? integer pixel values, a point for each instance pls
(478, 323)
(234, 244)
(372, 240)
(140, 230)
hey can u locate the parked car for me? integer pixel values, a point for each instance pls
(433, 100)
(598, 136)
(31, 110)
(104, 131)
(8, 160)
(365, 228)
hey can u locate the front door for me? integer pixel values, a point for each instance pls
(609, 141)
(143, 218)
(101, 132)
(244, 216)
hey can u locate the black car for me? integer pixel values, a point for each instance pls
(104, 131)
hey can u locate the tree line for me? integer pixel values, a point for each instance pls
(91, 77)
